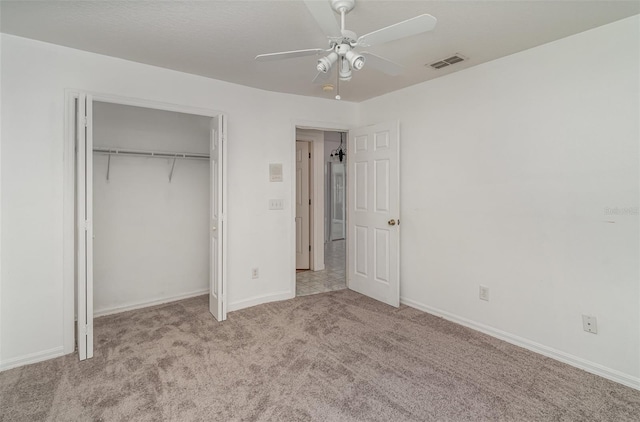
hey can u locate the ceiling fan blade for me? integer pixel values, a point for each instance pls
(325, 16)
(382, 64)
(413, 26)
(289, 54)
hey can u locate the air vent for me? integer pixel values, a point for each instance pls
(456, 58)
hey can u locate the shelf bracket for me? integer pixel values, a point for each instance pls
(108, 165)
(172, 167)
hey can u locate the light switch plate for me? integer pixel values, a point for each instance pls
(276, 204)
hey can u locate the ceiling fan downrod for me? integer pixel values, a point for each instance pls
(342, 7)
(342, 47)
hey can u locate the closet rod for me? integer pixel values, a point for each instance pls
(156, 154)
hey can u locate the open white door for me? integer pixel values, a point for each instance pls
(373, 212)
(217, 270)
(84, 221)
(303, 205)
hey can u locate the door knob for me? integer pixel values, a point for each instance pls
(214, 228)
(392, 222)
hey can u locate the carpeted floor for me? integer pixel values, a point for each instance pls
(335, 356)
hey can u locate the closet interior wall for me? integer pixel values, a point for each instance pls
(151, 241)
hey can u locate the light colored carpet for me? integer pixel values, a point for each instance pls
(335, 356)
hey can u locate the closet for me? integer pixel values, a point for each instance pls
(150, 206)
(148, 183)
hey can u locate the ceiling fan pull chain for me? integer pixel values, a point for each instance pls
(337, 85)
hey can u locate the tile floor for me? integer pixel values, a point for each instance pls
(333, 277)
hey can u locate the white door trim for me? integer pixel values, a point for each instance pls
(68, 193)
(304, 215)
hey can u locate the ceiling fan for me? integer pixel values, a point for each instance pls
(343, 43)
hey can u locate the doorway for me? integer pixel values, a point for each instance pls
(157, 189)
(373, 210)
(327, 211)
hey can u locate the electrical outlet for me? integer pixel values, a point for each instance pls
(255, 273)
(484, 293)
(590, 324)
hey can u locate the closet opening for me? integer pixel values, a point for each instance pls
(149, 208)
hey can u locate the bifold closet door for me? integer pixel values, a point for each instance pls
(84, 220)
(217, 226)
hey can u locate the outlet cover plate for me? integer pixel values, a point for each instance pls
(484, 293)
(590, 324)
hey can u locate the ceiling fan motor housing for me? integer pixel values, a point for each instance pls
(349, 37)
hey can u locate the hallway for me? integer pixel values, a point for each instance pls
(333, 277)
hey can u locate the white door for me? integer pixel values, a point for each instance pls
(84, 224)
(303, 205)
(217, 270)
(373, 212)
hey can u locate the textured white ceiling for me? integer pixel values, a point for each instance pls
(219, 39)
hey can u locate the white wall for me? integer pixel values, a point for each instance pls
(507, 169)
(261, 128)
(151, 236)
(1, 132)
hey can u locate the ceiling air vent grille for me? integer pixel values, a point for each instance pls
(456, 58)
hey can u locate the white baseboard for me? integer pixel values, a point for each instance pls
(258, 300)
(147, 303)
(592, 367)
(31, 358)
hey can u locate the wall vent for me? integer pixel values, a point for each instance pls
(456, 58)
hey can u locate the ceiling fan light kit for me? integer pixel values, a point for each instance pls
(342, 42)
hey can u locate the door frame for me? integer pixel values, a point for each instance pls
(69, 197)
(317, 189)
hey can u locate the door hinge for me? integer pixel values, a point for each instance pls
(309, 155)
(86, 121)
(309, 201)
(309, 248)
